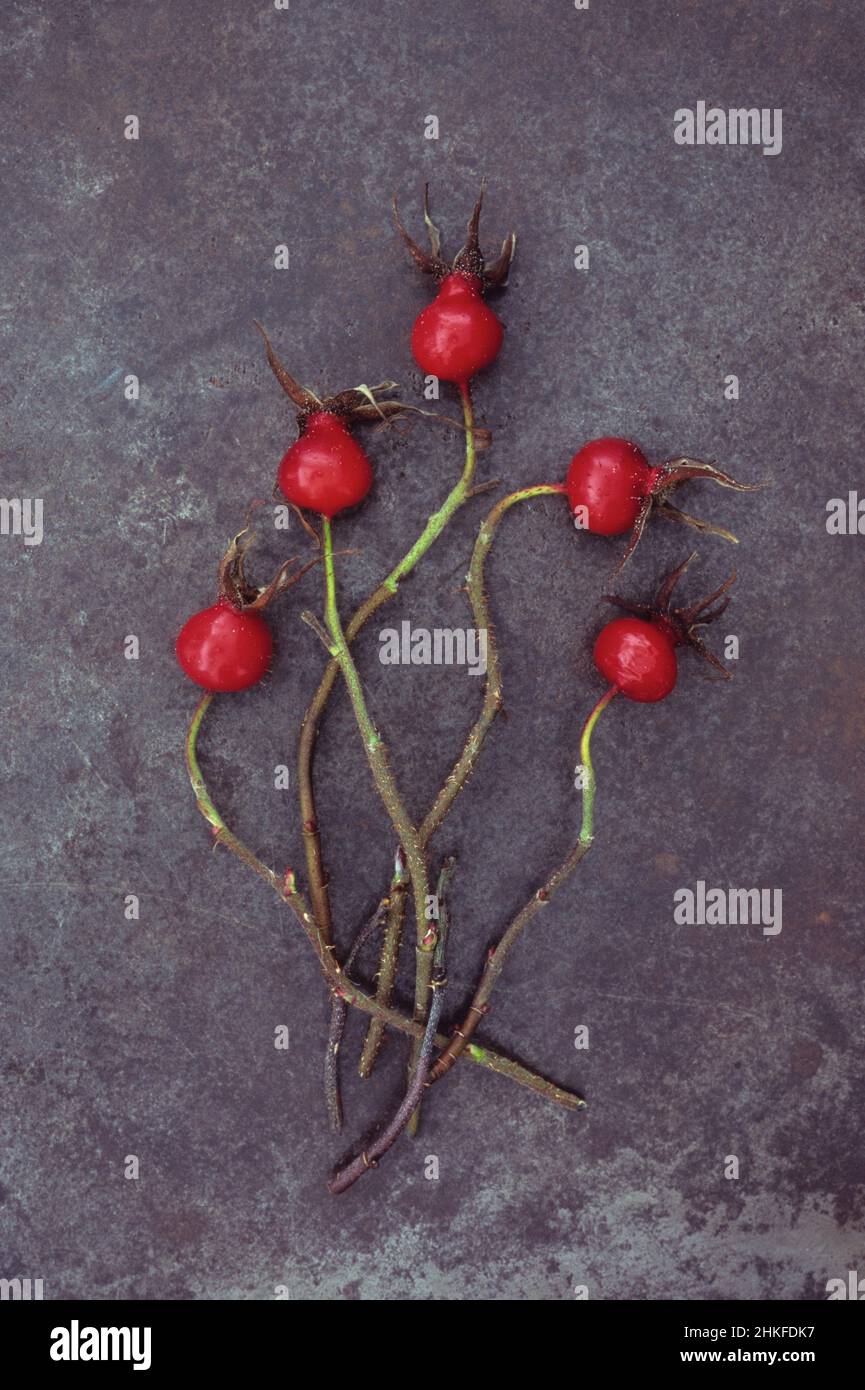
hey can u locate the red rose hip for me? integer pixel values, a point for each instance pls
(325, 470)
(222, 648)
(610, 478)
(638, 657)
(457, 335)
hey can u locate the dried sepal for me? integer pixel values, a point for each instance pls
(429, 265)
(702, 650)
(683, 470)
(497, 273)
(637, 610)
(307, 525)
(703, 610)
(366, 402)
(637, 530)
(666, 509)
(683, 624)
(284, 578)
(235, 587)
(358, 403)
(435, 239)
(670, 475)
(669, 582)
(304, 399)
(469, 260)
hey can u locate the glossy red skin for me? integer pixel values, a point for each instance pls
(610, 477)
(457, 335)
(326, 470)
(221, 648)
(637, 656)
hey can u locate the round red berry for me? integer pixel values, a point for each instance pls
(326, 470)
(223, 648)
(610, 478)
(457, 335)
(638, 657)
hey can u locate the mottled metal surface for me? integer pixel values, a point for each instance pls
(155, 1038)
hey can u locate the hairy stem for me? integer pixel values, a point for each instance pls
(393, 927)
(496, 958)
(388, 962)
(338, 1014)
(287, 891)
(417, 1081)
(316, 872)
(376, 754)
(492, 703)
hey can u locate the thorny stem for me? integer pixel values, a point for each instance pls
(493, 687)
(287, 891)
(393, 928)
(316, 872)
(492, 704)
(286, 887)
(338, 1014)
(498, 955)
(368, 1158)
(427, 930)
(376, 754)
(388, 962)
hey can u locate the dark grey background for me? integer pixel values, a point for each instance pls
(154, 1037)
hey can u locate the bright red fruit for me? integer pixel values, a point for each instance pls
(222, 648)
(637, 656)
(457, 335)
(326, 470)
(610, 478)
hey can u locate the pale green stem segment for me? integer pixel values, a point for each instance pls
(587, 828)
(439, 519)
(285, 887)
(199, 786)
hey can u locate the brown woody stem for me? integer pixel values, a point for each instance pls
(417, 1081)
(388, 963)
(492, 704)
(338, 1014)
(389, 586)
(496, 958)
(287, 891)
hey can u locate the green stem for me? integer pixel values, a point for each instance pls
(376, 756)
(316, 872)
(439, 519)
(286, 887)
(287, 891)
(496, 958)
(492, 704)
(392, 931)
(493, 687)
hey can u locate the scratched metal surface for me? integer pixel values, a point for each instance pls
(155, 1038)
